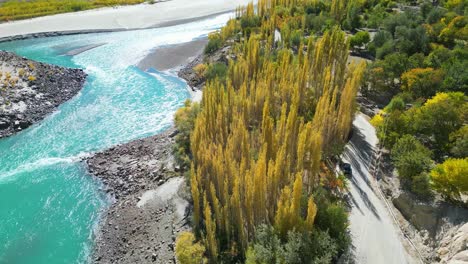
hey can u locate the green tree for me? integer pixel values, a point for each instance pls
(353, 17)
(360, 39)
(216, 70)
(266, 249)
(459, 142)
(420, 185)
(214, 43)
(456, 74)
(333, 217)
(410, 157)
(440, 116)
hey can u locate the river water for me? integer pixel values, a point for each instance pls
(49, 206)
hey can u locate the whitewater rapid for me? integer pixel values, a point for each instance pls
(49, 205)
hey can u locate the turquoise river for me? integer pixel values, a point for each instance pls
(49, 206)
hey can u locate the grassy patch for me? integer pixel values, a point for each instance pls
(16, 10)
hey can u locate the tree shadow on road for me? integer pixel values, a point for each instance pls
(360, 154)
(364, 198)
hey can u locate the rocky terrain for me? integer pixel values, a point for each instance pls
(438, 229)
(30, 90)
(195, 81)
(149, 197)
(149, 207)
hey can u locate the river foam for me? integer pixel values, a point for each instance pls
(49, 206)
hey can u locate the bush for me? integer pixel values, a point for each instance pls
(216, 70)
(333, 217)
(353, 18)
(296, 37)
(456, 74)
(200, 70)
(451, 178)
(308, 247)
(420, 185)
(360, 39)
(387, 48)
(410, 157)
(249, 22)
(316, 23)
(187, 251)
(397, 103)
(422, 82)
(459, 142)
(214, 43)
(381, 38)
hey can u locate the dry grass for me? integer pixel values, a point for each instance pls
(20, 9)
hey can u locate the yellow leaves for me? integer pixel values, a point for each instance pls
(283, 221)
(258, 141)
(31, 66)
(187, 251)
(210, 227)
(410, 77)
(311, 213)
(453, 3)
(422, 82)
(21, 72)
(288, 214)
(438, 98)
(456, 29)
(195, 188)
(377, 70)
(378, 120)
(200, 69)
(451, 178)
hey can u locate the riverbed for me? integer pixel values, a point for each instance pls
(50, 206)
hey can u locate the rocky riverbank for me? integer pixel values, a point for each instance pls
(150, 203)
(31, 90)
(148, 209)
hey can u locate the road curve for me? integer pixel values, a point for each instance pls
(375, 237)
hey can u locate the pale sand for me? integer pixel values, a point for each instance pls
(126, 17)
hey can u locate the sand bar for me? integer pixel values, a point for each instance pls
(126, 17)
(170, 56)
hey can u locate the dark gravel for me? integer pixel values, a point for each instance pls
(53, 85)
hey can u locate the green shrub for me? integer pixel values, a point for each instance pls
(360, 39)
(216, 70)
(420, 185)
(214, 43)
(410, 157)
(296, 37)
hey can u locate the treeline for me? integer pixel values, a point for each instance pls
(258, 142)
(21, 9)
(422, 69)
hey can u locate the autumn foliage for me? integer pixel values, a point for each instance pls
(262, 133)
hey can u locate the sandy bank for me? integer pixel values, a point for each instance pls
(171, 56)
(127, 17)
